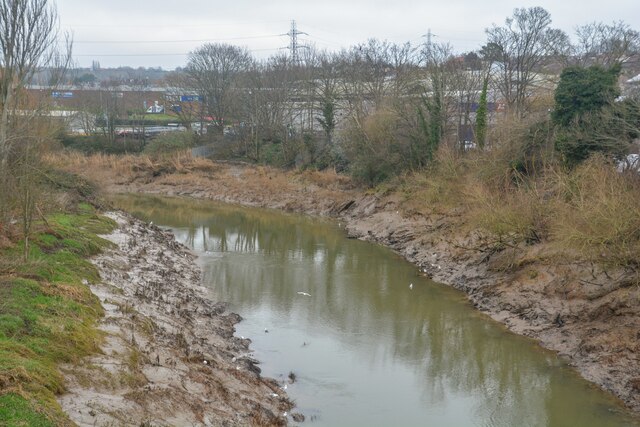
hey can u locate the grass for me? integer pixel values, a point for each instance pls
(590, 213)
(181, 168)
(47, 314)
(16, 411)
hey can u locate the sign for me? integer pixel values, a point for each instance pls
(62, 94)
(190, 98)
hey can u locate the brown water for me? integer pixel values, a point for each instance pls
(365, 348)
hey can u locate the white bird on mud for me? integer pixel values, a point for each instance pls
(411, 286)
(304, 293)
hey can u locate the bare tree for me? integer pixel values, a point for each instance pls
(213, 71)
(606, 45)
(326, 78)
(185, 102)
(519, 49)
(28, 38)
(273, 105)
(28, 33)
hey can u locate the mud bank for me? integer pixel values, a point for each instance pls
(169, 355)
(588, 315)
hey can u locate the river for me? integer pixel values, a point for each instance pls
(369, 340)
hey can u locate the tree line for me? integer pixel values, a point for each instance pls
(378, 108)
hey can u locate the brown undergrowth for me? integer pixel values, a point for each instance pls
(589, 214)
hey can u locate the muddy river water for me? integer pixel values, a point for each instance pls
(369, 340)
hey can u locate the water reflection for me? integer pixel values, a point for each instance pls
(367, 349)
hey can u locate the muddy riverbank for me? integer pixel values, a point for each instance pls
(169, 355)
(587, 314)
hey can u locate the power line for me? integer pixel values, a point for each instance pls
(171, 25)
(172, 41)
(152, 54)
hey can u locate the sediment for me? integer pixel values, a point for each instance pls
(169, 355)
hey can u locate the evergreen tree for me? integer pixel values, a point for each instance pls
(481, 115)
(583, 90)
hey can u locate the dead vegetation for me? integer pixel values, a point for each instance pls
(588, 214)
(179, 173)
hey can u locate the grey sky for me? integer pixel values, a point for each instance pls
(162, 32)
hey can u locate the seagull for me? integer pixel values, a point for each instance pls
(304, 293)
(411, 286)
(266, 331)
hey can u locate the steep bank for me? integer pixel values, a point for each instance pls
(590, 316)
(169, 355)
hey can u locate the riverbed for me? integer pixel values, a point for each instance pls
(367, 338)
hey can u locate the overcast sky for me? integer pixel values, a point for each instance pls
(154, 33)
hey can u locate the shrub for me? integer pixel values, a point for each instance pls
(375, 148)
(598, 214)
(90, 144)
(587, 117)
(170, 142)
(584, 90)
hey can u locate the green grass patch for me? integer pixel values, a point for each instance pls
(16, 411)
(48, 315)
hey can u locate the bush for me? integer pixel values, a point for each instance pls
(598, 213)
(375, 149)
(91, 144)
(609, 132)
(587, 117)
(170, 142)
(584, 90)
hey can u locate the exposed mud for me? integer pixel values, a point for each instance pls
(588, 315)
(169, 356)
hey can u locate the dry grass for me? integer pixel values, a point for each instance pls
(598, 213)
(591, 213)
(328, 179)
(439, 189)
(514, 216)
